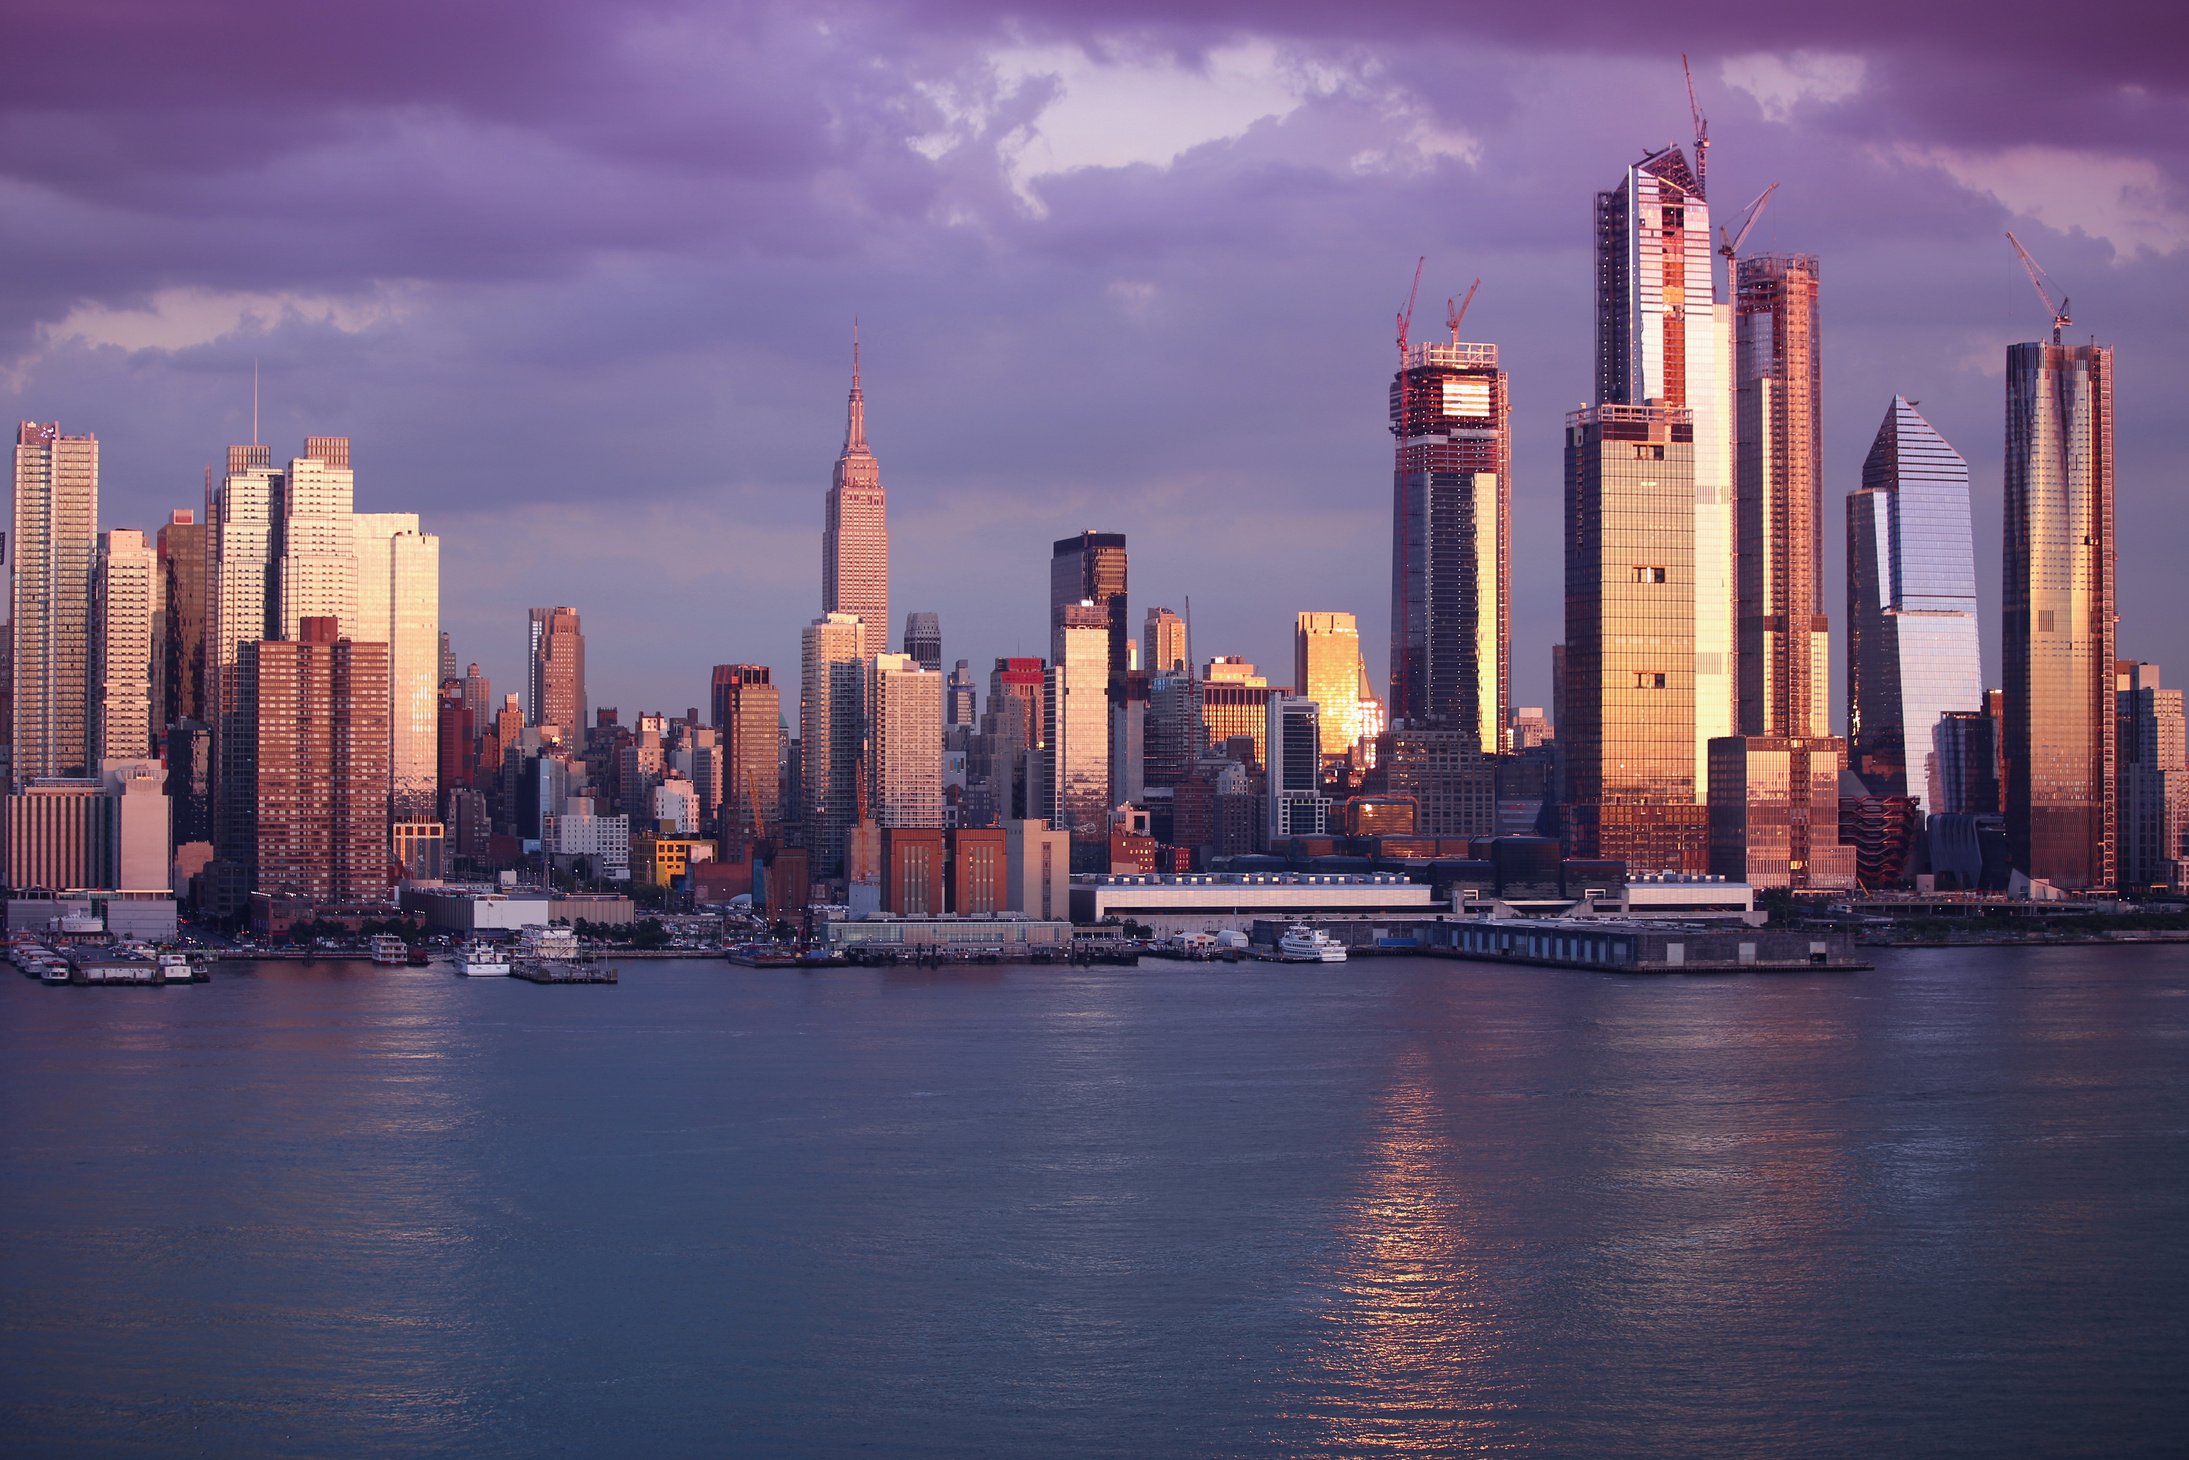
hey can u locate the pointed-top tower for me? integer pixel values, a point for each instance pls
(855, 531)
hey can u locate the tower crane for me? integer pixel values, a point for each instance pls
(1406, 318)
(1730, 244)
(1702, 130)
(1453, 315)
(2043, 286)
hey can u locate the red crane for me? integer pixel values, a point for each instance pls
(1452, 315)
(2043, 286)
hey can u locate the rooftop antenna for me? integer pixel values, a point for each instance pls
(254, 402)
(1702, 131)
(2043, 286)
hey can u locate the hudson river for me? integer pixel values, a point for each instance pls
(1940, 1208)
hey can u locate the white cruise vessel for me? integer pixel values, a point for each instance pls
(481, 959)
(389, 951)
(1302, 944)
(547, 945)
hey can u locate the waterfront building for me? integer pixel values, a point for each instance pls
(923, 639)
(1663, 337)
(2059, 615)
(125, 611)
(183, 548)
(1091, 569)
(1163, 648)
(555, 686)
(1451, 540)
(1197, 902)
(1913, 659)
(980, 883)
(1073, 794)
(1297, 805)
(1038, 868)
(831, 732)
(586, 844)
(1774, 812)
(748, 715)
(55, 539)
(855, 526)
(912, 868)
(317, 711)
(904, 756)
(1628, 733)
(2154, 788)
(1328, 669)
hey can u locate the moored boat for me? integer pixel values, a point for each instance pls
(1302, 944)
(388, 951)
(481, 959)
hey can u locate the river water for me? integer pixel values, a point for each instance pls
(1939, 1208)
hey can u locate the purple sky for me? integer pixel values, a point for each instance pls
(578, 279)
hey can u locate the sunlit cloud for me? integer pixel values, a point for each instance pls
(2125, 202)
(1782, 83)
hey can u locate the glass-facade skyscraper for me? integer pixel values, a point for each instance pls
(1451, 609)
(1913, 656)
(2058, 614)
(1091, 568)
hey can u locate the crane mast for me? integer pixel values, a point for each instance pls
(2043, 286)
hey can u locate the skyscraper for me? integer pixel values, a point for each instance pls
(748, 714)
(1327, 668)
(923, 639)
(127, 605)
(1662, 337)
(1451, 610)
(1912, 651)
(961, 696)
(1163, 643)
(2154, 782)
(2058, 618)
(904, 757)
(855, 529)
(1073, 794)
(1629, 727)
(831, 731)
(315, 537)
(1090, 568)
(56, 529)
(1297, 806)
(185, 619)
(555, 691)
(399, 604)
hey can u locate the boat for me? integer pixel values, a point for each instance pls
(53, 971)
(1302, 944)
(388, 950)
(417, 957)
(548, 945)
(175, 968)
(481, 959)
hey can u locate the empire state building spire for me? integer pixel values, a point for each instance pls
(855, 529)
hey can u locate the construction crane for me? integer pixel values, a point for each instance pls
(1702, 131)
(1406, 318)
(1729, 244)
(2043, 286)
(1453, 315)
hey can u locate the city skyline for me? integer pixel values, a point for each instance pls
(1924, 299)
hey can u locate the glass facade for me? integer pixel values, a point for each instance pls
(1090, 568)
(1327, 668)
(831, 730)
(1451, 540)
(2058, 624)
(1629, 735)
(1075, 782)
(1913, 658)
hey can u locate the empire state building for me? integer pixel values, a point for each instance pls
(855, 534)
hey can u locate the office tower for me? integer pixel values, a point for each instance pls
(1175, 736)
(317, 708)
(1234, 702)
(555, 692)
(1328, 669)
(190, 780)
(1163, 643)
(1663, 338)
(1451, 779)
(399, 604)
(1969, 772)
(1451, 610)
(923, 639)
(1090, 568)
(1130, 694)
(831, 732)
(1912, 652)
(1073, 793)
(2058, 587)
(126, 607)
(2154, 790)
(56, 530)
(904, 757)
(315, 539)
(960, 702)
(458, 734)
(1011, 726)
(855, 532)
(185, 619)
(448, 659)
(748, 716)
(239, 515)
(1297, 806)
(478, 693)
(1628, 735)
(1781, 642)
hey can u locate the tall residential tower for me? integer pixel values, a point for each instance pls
(56, 532)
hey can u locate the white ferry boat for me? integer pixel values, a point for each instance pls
(483, 960)
(388, 951)
(175, 967)
(1302, 944)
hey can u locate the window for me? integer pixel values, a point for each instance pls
(1649, 574)
(1648, 679)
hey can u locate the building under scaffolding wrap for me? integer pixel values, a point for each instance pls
(1451, 615)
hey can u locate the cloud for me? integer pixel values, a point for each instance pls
(1781, 83)
(2125, 202)
(175, 319)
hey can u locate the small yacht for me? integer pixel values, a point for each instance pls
(1302, 944)
(388, 951)
(481, 959)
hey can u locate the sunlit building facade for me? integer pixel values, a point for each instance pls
(1163, 648)
(555, 683)
(1297, 805)
(184, 618)
(1451, 543)
(124, 646)
(1629, 727)
(1663, 338)
(855, 526)
(2154, 817)
(1091, 568)
(1913, 656)
(831, 732)
(55, 541)
(2058, 620)
(399, 604)
(904, 756)
(1327, 668)
(1073, 793)
(748, 715)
